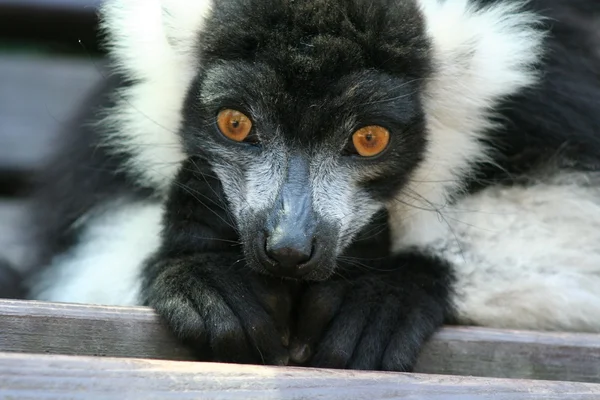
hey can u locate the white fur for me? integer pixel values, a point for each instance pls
(105, 267)
(480, 57)
(524, 257)
(152, 41)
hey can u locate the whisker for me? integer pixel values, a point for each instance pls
(184, 187)
(438, 210)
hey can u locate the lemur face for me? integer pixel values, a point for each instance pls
(310, 115)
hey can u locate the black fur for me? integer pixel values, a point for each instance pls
(375, 319)
(296, 60)
(555, 122)
(11, 285)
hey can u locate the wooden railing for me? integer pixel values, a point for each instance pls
(50, 350)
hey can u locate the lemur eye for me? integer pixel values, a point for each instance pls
(370, 140)
(234, 124)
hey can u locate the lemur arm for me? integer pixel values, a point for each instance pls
(198, 281)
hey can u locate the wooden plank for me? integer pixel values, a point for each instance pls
(68, 377)
(513, 354)
(38, 327)
(16, 240)
(38, 96)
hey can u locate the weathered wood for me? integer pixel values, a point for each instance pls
(513, 354)
(38, 96)
(37, 327)
(16, 241)
(68, 377)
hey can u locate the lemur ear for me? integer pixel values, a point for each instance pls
(147, 37)
(480, 55)
(153, 44)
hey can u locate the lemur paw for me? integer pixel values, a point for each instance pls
(223, 314)
(371, 323)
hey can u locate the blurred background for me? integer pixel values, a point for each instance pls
(49, 56)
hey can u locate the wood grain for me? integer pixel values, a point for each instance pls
(513, 354)
(37, 327)
(38, 96)
(67, 377)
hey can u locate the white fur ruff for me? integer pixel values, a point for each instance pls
(152, 42)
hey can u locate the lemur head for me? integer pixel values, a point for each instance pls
(309, 113)
(315, 115)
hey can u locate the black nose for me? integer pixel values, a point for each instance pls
(288, 255)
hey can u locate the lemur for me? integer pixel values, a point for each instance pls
(328, 182)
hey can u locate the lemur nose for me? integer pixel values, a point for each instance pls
(288, 255)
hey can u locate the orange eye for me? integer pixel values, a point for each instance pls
(370, 140)
(234, 125)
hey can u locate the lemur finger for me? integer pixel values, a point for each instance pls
(186, 323)
(264, 336)
(203, 321)
(318, 307)
(227, 338)
(369, 352)
(216, 312)
(259, 327)
(276, 298)
(410, 333)
(337, 346)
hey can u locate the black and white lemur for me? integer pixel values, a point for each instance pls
(327, 182)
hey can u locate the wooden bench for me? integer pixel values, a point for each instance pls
(68, 350)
